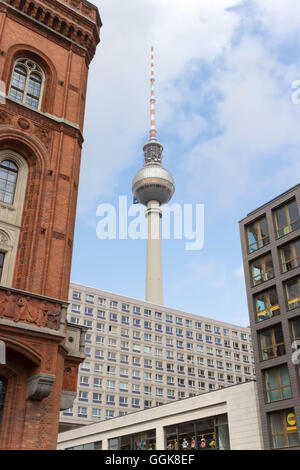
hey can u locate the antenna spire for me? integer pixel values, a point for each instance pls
(152, 100)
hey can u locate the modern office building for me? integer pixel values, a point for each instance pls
(140, 355)
(270, 238)
(223, 419)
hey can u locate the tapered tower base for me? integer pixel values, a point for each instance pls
(154, 285)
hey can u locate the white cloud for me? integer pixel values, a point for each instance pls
(254, 114)
(279, 17)
(117, 114)
(256, 120)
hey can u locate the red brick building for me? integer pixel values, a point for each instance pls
(46, 47)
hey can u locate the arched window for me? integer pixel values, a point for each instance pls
(3, 386)
(8, 181)
(27, 83)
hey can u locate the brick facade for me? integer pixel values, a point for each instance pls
(61, 37)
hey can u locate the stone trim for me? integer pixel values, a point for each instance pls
(67, 399)
(40, 386)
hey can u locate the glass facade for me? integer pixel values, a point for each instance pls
(209, 434)
(89, 446)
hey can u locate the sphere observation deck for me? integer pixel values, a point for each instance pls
(153, 183)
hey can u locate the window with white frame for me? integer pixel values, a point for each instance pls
(96, 412)
(76, 295)
(97, 382)
(89, 298)
(101, 301)
(83, 395)
(109, 414)
(82, 411)
(110, 399)
(75, 308)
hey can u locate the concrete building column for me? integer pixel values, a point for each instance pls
(160, 438)
(105, 444)
(154, 285)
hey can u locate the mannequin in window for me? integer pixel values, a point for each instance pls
(203, 444)
(185, 444)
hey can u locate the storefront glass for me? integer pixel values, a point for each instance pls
(141, 441)
(89, 446)
(209, 434)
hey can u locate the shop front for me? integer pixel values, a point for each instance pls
(90, 446)
(203, 434)
(141, 441)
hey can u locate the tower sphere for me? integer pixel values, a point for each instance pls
(153, 183)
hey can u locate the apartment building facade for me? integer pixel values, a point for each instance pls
(270, 238)
(140, 355)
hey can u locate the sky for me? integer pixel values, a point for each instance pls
(225, 71)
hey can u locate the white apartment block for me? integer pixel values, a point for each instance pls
(140, 355)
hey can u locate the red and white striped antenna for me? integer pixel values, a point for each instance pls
(152, 100)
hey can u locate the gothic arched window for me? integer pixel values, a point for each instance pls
(8, 181)
(27, 83)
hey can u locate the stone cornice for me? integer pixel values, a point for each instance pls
(86, 11)
(32, 329)
(56, 19)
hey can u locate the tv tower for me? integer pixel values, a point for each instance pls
(153, 186)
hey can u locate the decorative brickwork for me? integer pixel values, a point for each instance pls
(22, 308)
(37, 228)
